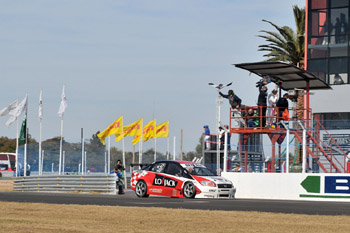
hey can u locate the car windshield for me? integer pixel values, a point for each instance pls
(200, 171)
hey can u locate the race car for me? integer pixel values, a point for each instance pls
(180, 179)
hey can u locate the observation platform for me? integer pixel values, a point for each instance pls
(301, 123)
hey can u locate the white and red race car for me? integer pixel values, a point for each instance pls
(180, 179)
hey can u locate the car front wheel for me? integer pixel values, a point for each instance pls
(189, 190)
(141, 189)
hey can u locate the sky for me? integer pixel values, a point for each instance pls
(150, 59)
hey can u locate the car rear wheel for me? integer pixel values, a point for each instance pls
(141, 189)
(189, 190)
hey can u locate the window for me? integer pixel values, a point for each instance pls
(318, 53)
(329, 40)
(318, 4)
(158, 167)
(200, 171)
(338, 120)
(319, 25)
(174, 169)
(339, 25)
(338, 71)
(4, 167)
(319, 65)
(339, 3)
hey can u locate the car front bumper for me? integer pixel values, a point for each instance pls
(215, 192)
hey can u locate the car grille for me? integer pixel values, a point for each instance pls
(224, 186)
(224, 195)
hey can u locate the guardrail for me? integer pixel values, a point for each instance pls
(105, 184)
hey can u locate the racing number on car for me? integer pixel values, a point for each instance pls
(164, 181)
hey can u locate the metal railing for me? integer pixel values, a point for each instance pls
(329, 150)
(105, 184)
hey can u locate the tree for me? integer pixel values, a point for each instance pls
(285, 44)
(7, 145)
(189, 156)
(95, 143)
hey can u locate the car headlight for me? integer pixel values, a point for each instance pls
(208, 183)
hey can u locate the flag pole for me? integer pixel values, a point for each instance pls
(174, 148)
(140, 145)
(168, 152)
(109, 155)
(155, 140)
(40, 149)
(17, 148)
(82, 150)
(125, 183)
(61, 142)
(40, 137)
(25, 141)
(61, 111)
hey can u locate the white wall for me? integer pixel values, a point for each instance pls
(335, 100)
(284, 186)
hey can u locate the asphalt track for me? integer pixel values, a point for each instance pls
(130, 199)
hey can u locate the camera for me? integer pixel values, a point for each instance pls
(260, 83)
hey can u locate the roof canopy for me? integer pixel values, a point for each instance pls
(288, 76)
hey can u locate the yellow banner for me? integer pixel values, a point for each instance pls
(115, 128)
(149, 131)
(162, 130)
(134, 129)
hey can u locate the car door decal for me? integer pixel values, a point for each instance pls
(164, 181)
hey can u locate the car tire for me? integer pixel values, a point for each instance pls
(189, 190)
(141, 189)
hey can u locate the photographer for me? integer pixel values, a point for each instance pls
(235, 103)
(119, 171)
(262, 99)
(264, 81)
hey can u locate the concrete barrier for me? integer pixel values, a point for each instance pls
(292, 186)
(6, 173)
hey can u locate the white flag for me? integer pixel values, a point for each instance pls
(10, 121)
(63, 104)
(20, 108)
(5, 111)
(41, 105)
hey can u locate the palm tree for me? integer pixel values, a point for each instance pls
(285, 44)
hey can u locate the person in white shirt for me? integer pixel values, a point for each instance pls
(271, 110)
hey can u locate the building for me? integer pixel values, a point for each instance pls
(328, 56)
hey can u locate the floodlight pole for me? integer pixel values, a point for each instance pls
(287, 147)
(219, 101)
(304, 147)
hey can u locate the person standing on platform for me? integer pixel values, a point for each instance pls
(222, 137)
(235, 103)
(262, 104)
(206, 134)
(228, 137)
(271, 111)
(282, 105)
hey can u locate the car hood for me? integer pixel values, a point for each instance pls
(216, 179)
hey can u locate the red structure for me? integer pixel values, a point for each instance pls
(289, 77)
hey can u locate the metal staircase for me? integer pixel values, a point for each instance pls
(330, 156)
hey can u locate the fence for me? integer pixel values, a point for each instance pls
(94, 156)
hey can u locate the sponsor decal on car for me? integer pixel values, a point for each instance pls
(211, 196)
(164, 181)
(156, 190)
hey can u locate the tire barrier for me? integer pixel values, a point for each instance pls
(104, 184)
